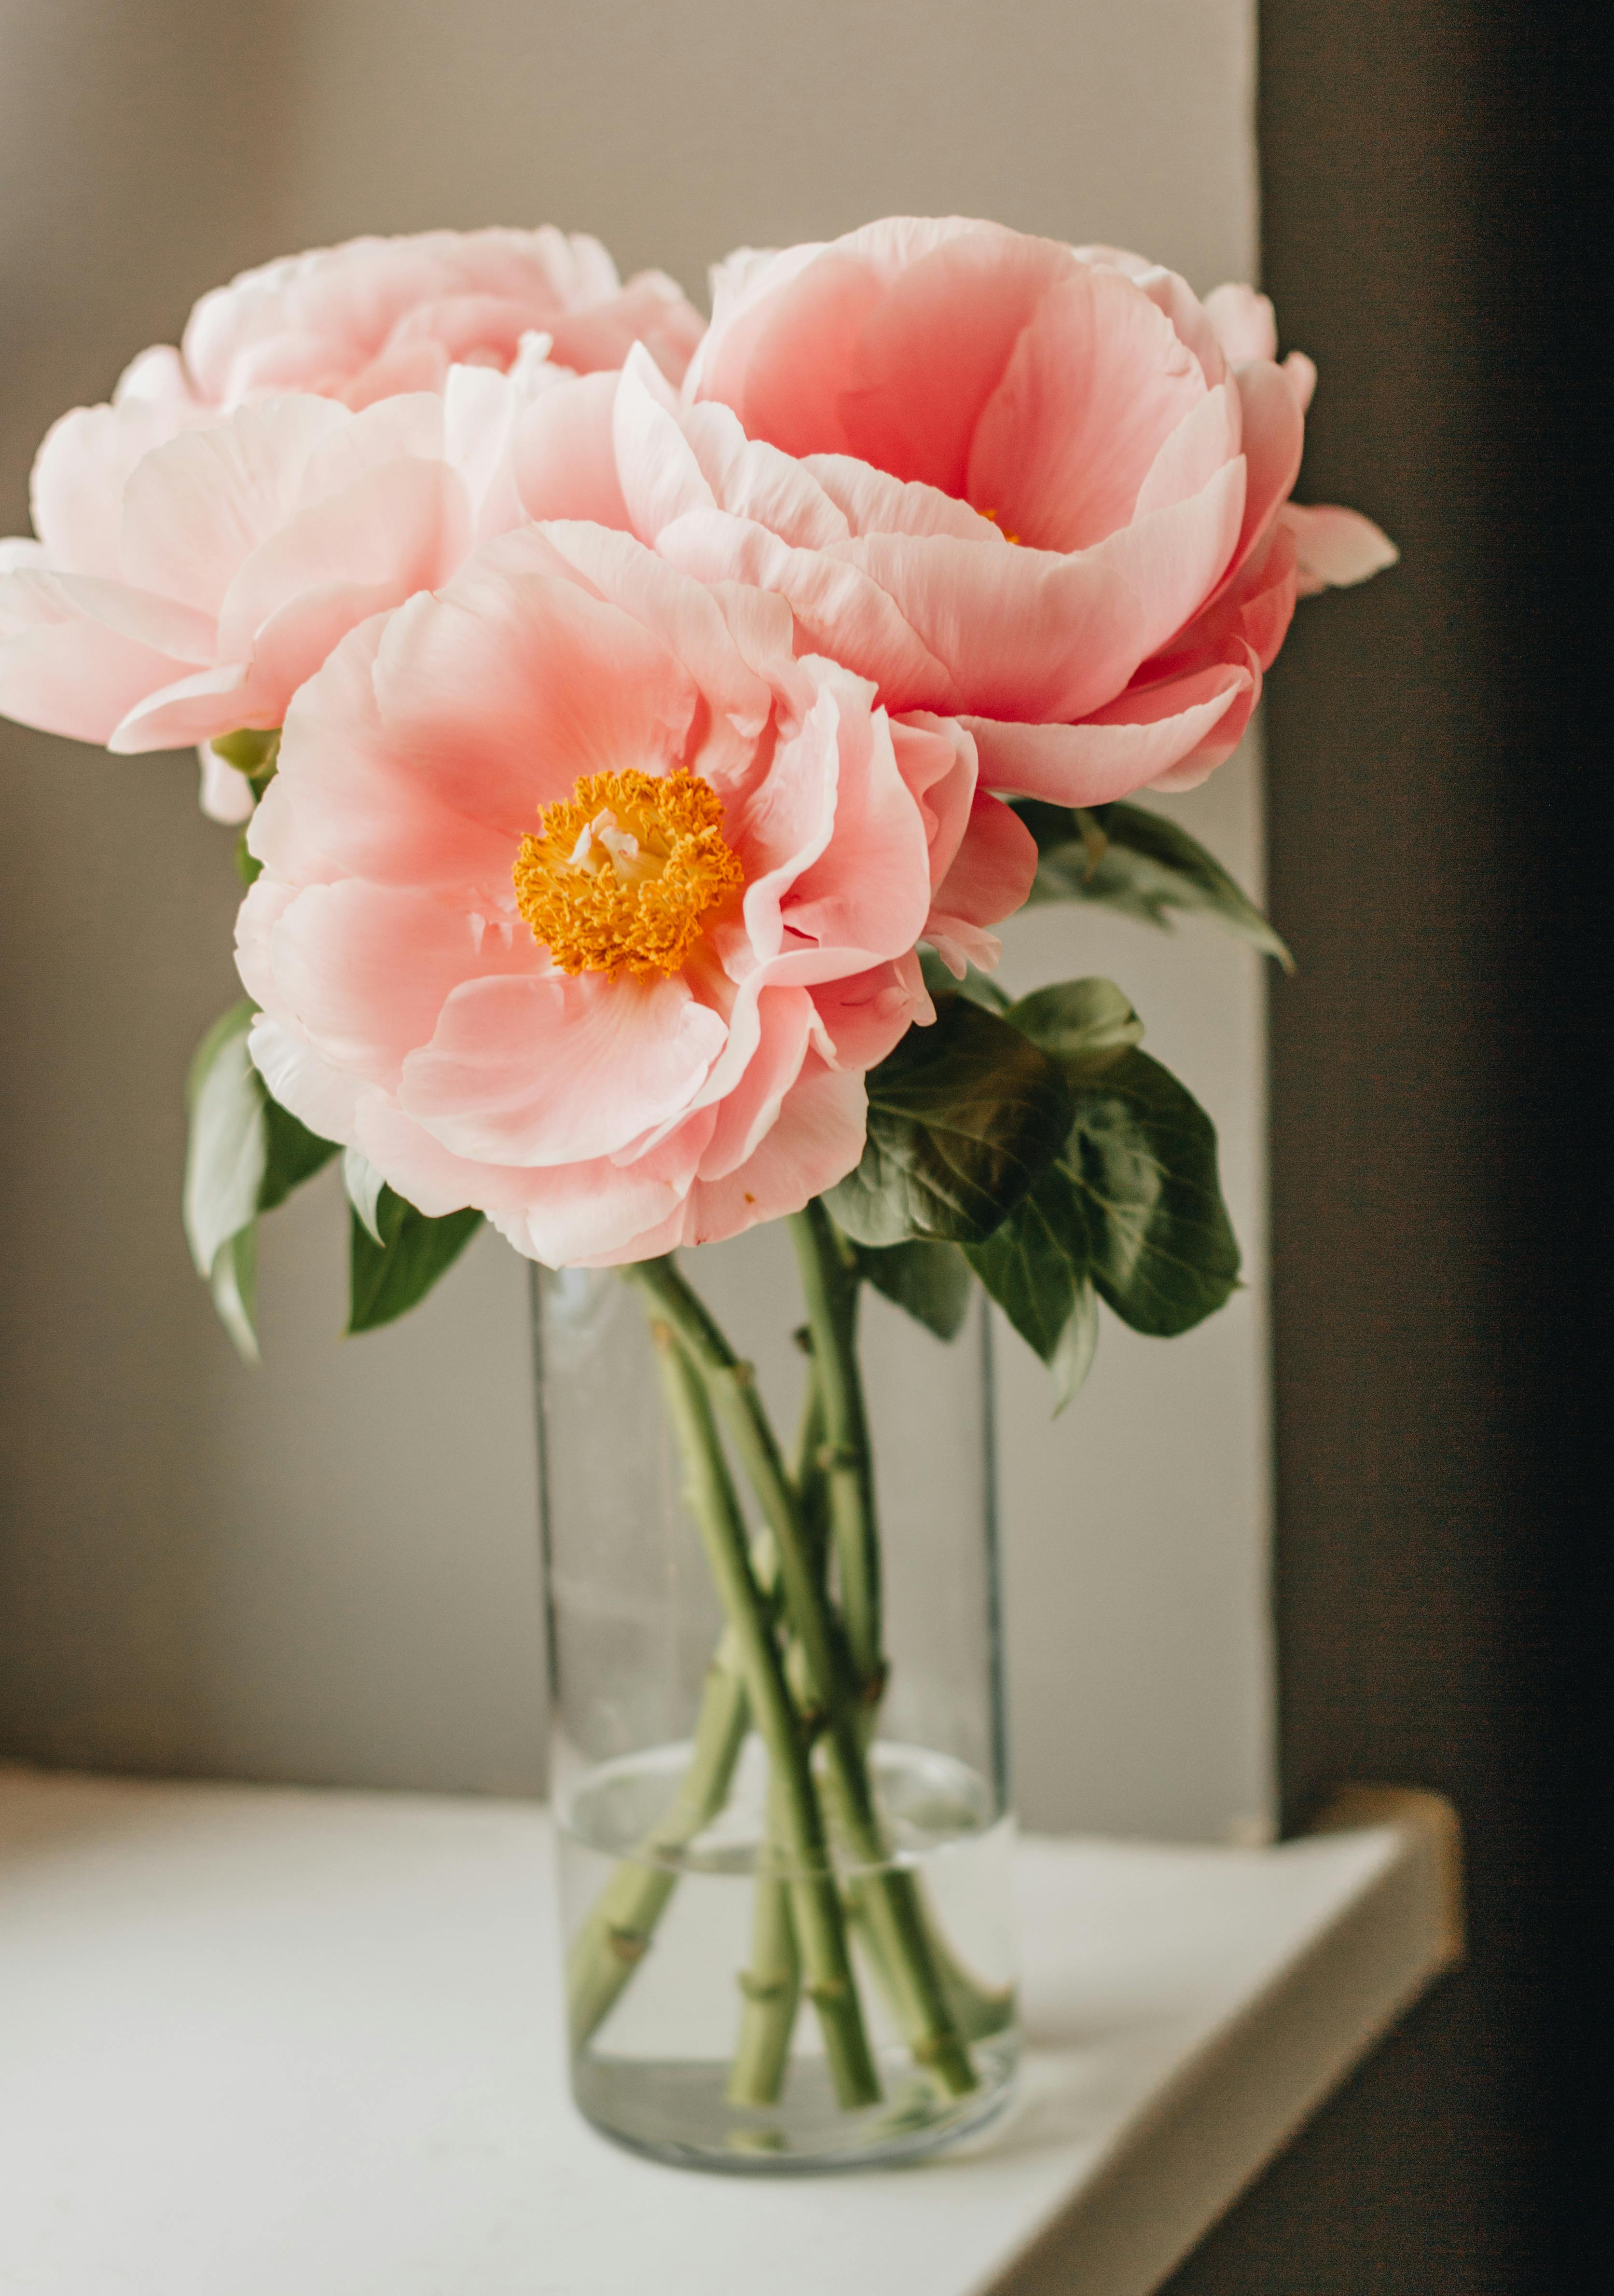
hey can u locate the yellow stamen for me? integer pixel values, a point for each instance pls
(627, 872)
(992, 514)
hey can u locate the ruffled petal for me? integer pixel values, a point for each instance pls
(79, 475)
(817, 1138)
(1334, 547)
(1097, 382)
(556, 1069)
(1143, 735)
(64, 671)
(368, 969)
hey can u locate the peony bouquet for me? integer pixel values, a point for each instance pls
(635, 729)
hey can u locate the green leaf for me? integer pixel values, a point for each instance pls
(248, 868)
(227, 1152)
(1036, 1266)
(388, 1278)
(364, 1184)
(295, 1154)
(1142, 1154)
(245, 1155)
(233, 1284)
(1141, 863)
(963, 1117)
(930, 1281)
(1084, 1025)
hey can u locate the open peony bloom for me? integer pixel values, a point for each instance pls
(192, 573)
(1043, 490)
(377, 316)
(585, 903)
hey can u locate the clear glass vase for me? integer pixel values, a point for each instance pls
(778, 1759)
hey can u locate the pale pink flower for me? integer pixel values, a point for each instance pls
(584, 902)
(1040, 489)
(191, 572)
(377, 316)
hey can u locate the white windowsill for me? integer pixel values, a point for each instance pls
(265, 2042)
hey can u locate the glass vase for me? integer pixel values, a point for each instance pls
(777, 1755)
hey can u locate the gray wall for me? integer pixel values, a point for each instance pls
(325, 1569)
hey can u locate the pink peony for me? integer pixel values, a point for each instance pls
(191, 572)
(378, 316)
(1042, 488)
(585, 903)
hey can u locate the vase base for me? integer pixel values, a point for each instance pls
(678, 2113)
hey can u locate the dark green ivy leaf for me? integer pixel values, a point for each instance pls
(294, 1156)
(1142, 1154)
(1141, 863)
(979, 987)
(1084, 1025)
(930, 1281)
(1036, 1268)
(390, 1278)
(963, 1117)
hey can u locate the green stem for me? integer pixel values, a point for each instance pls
(894, 1910)
(814, 1899)
(622, 1920)
(829, 1286)
(772, 1985)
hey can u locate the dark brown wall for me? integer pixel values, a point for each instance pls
(1439, 843)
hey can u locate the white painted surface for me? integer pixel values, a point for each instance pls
(325, 1569)
(260, 2041)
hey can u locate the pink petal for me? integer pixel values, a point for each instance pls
(843, 611)
(1246, 325)
(63, 672)
(991, 875)
(784, 364)
(195, 508)
(1145, 735)
(1335, 547)
(1275, 437)
(1097, 384)
(504, 688)
(401, 528)
(754, 481)
(861, 1016)
(346, 800)
(868, 890)
(566, 461)
(816, 1140)
(1201, 446)
(690, 620)
(936, 758)
(79, 475)
(367, 970)
(1301, 375)
(872, 501)
(200, 708)
(933, 351)
(1034, 634)
(749, 1110)
(657, 465)
(554, 1071)
(1255, 609)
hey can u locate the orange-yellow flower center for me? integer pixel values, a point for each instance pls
(627, 872)
(992, 514)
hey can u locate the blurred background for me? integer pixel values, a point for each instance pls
(325, 1569)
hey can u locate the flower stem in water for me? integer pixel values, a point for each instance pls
(772, 1985)
(819, 1919)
